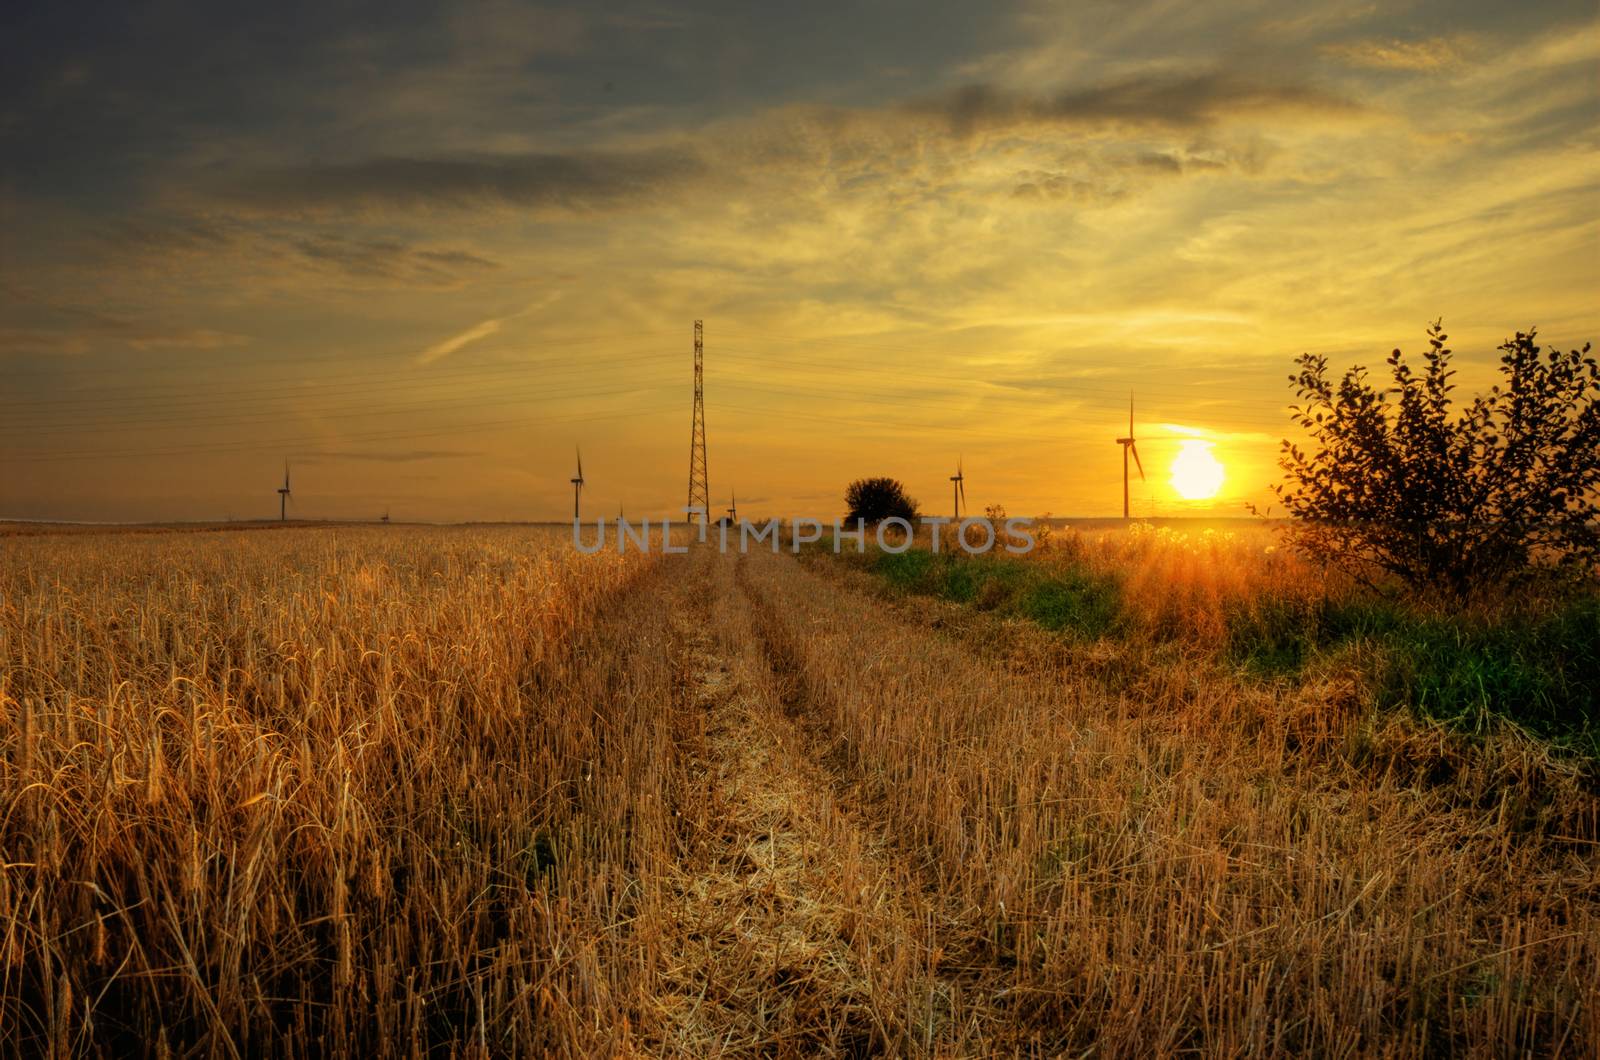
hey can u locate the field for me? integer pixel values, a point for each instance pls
(401, 790)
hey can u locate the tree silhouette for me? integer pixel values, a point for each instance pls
(877, 499)
(1395, 480)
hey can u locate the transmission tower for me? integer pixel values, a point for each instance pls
(699, 489)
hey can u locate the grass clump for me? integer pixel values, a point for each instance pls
(1277, 635)
(1065, 598)
(1073, 601)
(1535, 669)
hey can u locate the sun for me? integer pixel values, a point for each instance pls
(1196, 474)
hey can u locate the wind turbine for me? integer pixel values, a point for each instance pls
(1129, 446)
(283, 495)
(733, 510)
(577, 486)
(959, 489)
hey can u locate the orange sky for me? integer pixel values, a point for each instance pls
(424, 257)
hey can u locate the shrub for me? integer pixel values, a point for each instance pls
(1397, 481)
(877, 499)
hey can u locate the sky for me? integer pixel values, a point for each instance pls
(424, 253)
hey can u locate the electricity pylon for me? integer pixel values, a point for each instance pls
(699, 487)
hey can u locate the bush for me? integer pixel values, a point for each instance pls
(1397, 481)
(877, 499)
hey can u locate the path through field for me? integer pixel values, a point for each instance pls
(794, 927)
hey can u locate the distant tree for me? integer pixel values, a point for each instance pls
(1396, 480)
(877, 499)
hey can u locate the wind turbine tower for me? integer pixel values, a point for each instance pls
(577, 486)
(283, 495)
(1129, 446)
(958, 489)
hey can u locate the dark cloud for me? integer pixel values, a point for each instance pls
(48, 326)
(181, 237)
(1160, 162)
(577, 182)
(389, 259)
(56, 341)
(162, 241)
(1037, 184)
(1158, 101)
(1109, 180)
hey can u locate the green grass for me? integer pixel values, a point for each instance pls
(1277, 636)
(1062, 599)
(1537, 670)
(1540, 671)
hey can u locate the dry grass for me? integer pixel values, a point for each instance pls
(393, 791)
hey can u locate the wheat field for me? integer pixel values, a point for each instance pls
(395, 791)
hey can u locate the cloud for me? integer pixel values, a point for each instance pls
(1158, 101)
(43, 342)
(389, 259)
(188, 236)
(1433, 53)
(88, 328)
(1038, 184)
(480, 330)
(183, 339)
(575, 182)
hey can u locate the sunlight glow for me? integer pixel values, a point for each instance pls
(1196, 473)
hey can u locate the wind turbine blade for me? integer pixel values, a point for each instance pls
(1130, 414)
(1136, 460)
(580, 462)
(962, 482)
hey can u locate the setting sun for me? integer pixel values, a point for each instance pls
(1196, 473)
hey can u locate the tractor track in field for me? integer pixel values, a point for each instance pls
(796, 927)
(971, 970)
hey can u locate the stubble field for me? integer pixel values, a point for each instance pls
(399, 790)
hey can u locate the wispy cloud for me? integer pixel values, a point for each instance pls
(1433, 53)
(580, 181)
(1187, 101)
(481, 330)
(390, 259)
